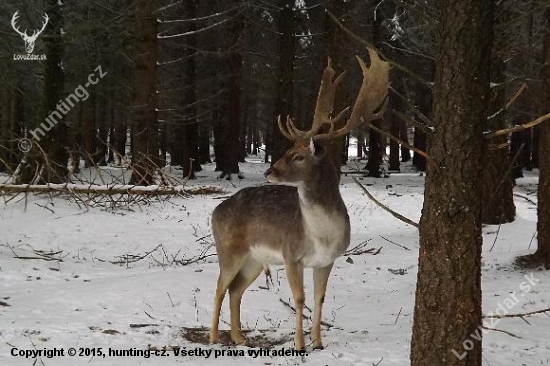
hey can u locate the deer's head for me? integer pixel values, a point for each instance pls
(29, 40)
(308, 152)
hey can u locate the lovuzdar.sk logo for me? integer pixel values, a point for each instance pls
(29, 39)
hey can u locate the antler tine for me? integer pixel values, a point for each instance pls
(372, 96)
(14, 25)
(323, 109)
(46, 19)
(283, 130)
(36, 33)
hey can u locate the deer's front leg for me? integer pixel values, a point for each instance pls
(320, 279)
(295, 274)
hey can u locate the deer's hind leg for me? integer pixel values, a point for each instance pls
(249, 271)
(230, 265)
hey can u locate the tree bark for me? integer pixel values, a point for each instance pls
(448, 293)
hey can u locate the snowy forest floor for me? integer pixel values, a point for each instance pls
(86, 301)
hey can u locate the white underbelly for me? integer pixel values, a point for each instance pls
(266, 255)
(321, 255)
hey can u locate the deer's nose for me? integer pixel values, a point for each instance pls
(268, 171)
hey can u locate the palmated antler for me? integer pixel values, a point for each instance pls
(371, 98)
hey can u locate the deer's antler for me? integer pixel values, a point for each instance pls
(371, 98)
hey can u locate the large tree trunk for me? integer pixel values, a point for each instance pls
(145, 154)
(448, 293)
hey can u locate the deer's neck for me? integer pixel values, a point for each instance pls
(321, 189)
(325, 218)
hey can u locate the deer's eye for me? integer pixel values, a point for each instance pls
(298, 158)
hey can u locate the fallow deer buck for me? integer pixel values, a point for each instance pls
(306, 225)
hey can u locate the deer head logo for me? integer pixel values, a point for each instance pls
(29, 40)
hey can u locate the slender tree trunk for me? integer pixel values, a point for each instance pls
(375, 152)
(89, 131)
(535, 155)
(235, 63)
(448, 293)
(4, 128)
(338, 50)
(243, 134)
(255, 139)
(285, 77)
(497, 182)
(516, 149)
(145, 152)
(360, 144)
(424, 98)
(102, 133)
(395, 129)
(419, 141)
(403, 135)
(543, 225)
(204, 144)
(191, 129)
(54, 144)
(542, 255)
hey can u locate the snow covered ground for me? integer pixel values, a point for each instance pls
(87, 302)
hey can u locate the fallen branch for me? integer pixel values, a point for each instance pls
(304, 316)
(511, 101)
(393, 213)
(518, 315)
(415, 123)
(154, 190)
(362, 41)
(525, 198)
(407, 145)
(503, 331)
(525, 126)
(394, 243)
(360, 249)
